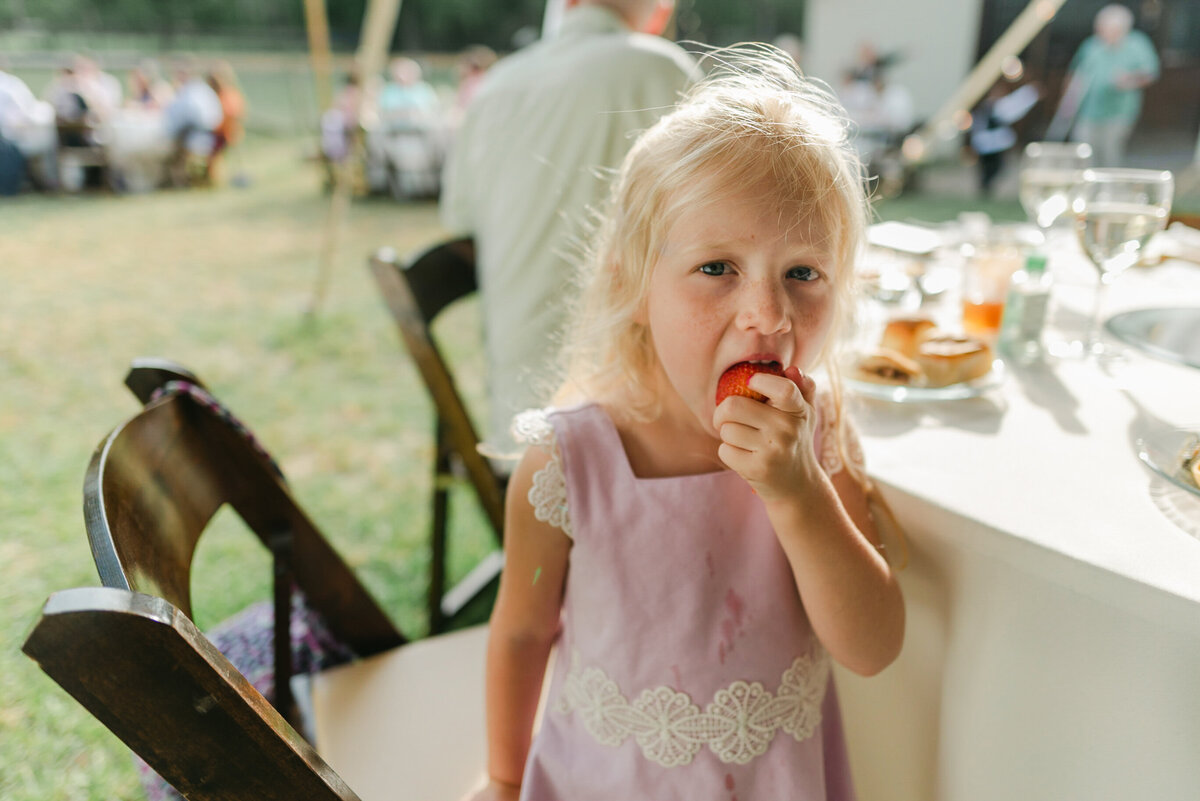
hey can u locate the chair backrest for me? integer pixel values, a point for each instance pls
(157, 480)
(415, 293)
(148, 374)
(143, 669)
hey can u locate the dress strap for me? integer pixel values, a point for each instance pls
(548, 494)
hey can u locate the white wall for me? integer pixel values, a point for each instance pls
(938, 39)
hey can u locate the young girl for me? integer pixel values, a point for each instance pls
(695, 561)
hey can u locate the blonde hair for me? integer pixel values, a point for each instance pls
(753, 121)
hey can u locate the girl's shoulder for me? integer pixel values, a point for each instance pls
(546, 426)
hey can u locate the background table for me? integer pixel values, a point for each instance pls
(1053, 590)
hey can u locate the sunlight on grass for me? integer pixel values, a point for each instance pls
(218, 280)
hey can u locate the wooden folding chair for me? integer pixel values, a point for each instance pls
(416, 292)
(406, 722)
(144, 533)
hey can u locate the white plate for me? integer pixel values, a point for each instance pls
(907, 394)
(1170, 334)
(1160, 452)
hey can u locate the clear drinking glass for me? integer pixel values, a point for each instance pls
(1116, 212)
(1049, 171)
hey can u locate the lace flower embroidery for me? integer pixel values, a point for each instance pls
(548, 495)
(737, 725)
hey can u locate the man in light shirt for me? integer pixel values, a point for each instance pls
(532, 157)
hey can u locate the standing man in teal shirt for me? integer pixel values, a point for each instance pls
(1111, 67)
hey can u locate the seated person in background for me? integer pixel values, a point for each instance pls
(101, 90)
(71, 108)
(406, 150)
(339, 123)
(191, 121)
(992, 134)
(882, 110)
(532, 158)
(28, 139)
(233, 110)
(406, 99)
(473, 64)
(147, 88)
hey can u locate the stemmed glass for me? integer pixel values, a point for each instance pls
(1049, 171)
(1116, 212)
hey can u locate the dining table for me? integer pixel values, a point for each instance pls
(1052, 577)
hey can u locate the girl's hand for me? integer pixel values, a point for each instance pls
(495, 791)
(771, 444)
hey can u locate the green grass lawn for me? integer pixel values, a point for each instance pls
(219, 280)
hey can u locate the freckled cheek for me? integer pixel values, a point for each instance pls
(813, 324)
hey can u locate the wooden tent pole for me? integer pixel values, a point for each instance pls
(316, 21)
(949, 118)
(379, 25)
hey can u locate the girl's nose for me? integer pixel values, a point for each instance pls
(763, 308)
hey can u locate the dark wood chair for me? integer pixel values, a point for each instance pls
(156, 482)
(146, 672)
(416, 292)
(130, 653)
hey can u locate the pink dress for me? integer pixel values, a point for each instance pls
(686, 666)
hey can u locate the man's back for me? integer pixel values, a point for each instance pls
(531, 158)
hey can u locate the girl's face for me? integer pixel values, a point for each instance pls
(734, 283)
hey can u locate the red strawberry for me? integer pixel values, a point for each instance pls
(733, 381)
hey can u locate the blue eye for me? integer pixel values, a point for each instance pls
(803, 274)
(715, 268)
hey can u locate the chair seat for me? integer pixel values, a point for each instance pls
(408, 724)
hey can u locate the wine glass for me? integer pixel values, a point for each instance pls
(1049, 171)
(1116, 212)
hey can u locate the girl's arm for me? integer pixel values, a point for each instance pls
(823, 524)
(524, 625)
(849, 591)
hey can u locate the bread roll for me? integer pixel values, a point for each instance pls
(886, 366)
(905, 334)
(1189, 459)
(950, 359)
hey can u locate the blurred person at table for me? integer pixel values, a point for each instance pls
(191, 120)
(881, 109)
(473, 64)
(1106, 77)
(28, 139)
(339, 122)
(992, 134)
(99, 92)
(71, 108)
(147, 88)
(531, 159)
(406, 97)
(407, 147)
(224, 82)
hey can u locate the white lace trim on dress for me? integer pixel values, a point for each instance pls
(737, 725)
(548, 495)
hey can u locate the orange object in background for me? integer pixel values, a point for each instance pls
(982, 318)
(987, 271)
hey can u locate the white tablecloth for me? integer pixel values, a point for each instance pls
(1053, 592)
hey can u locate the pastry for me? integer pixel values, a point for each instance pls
(885, 366)
(1189, 459)
(951, 359)
(905, 334)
